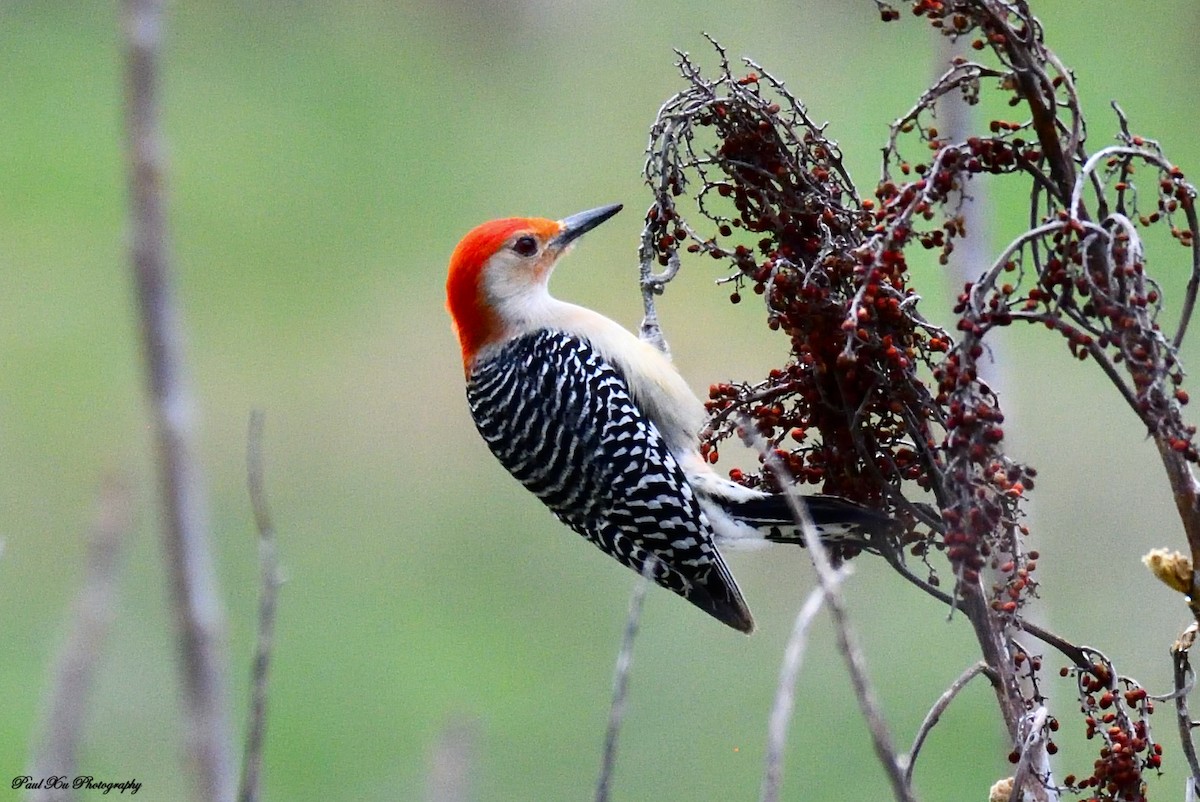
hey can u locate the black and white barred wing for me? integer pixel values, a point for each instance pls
(561, 420)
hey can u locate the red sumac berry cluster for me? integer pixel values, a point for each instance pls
(848, 412)
(1116, 711)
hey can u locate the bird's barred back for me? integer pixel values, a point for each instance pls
(560, 418)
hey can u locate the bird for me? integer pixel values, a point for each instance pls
(601, 427)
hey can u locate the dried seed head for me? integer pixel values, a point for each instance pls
(1172, 568)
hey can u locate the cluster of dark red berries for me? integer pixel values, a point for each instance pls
(984, 488)
(1104, 306)
(981, 488)
(1091, 289)
(1087, 281)
(848, 412)
(958, 18)
(926, 197)
(1017, 574)
(1129, 750)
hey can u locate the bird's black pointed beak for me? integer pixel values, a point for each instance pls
(577, 225)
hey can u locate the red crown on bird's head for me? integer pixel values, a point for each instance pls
(474, 322)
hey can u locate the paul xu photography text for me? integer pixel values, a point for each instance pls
(81, 783)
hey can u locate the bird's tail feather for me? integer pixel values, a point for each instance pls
(836, 519)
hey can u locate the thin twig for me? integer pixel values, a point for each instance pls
(828, 578)
(785, 692)
(1031, 747)
(956, 120)
(1077, 654)
(1193, 285)
(1100, 157)
(987, 279)
(939, 707)
(269, 582)
(1096, 352)
(198, 614)
(958, 76)
(449, 776)
(1184, 678)
(91, 619)
(652, 284)
(616, 710)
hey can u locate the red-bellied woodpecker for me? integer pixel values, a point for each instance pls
(600, 426)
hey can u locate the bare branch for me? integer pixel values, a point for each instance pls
(616, 711)
(450, 764)
(785, 692)
(1096, 352)
(91, 619)
(199, 619)
(939, 707)
(1100, 157)
(963, 76)
(1185, 678)
(652, 284)
(992, 636)
(830, 582)
(1193, 285)
(1032, 747)
(269, 581)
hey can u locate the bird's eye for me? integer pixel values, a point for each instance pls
(525, 246)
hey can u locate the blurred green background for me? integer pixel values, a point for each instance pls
(324, 160)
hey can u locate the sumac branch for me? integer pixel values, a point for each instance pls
(878, 404)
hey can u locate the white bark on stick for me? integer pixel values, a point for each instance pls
(196, 606)
(74, 672)
(616, 711)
